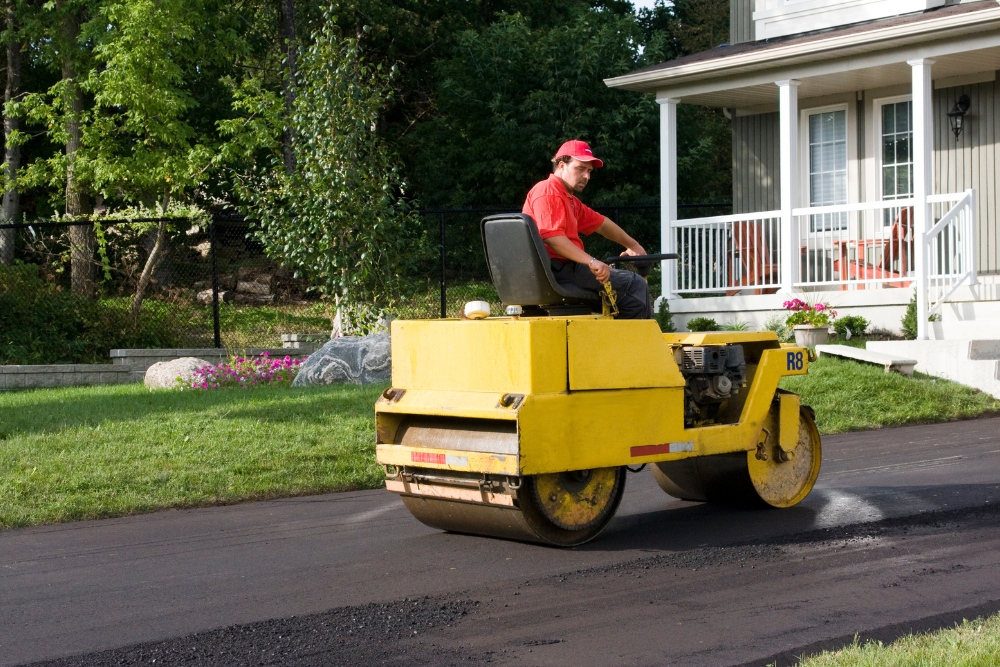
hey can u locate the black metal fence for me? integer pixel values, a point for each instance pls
(70, 293)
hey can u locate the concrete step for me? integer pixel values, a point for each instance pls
(890, 362)
(964, 329)
(972, 362)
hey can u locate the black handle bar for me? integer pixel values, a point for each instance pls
(617, 259)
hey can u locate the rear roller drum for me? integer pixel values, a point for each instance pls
(762, 476)
(562, 509)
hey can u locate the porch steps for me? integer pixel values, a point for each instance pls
(890, 362)
(972, 362)
(951, 329)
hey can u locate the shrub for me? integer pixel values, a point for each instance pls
(908, 325)
(246, 372)
(776, 323)
(42, 324)
(736, 325)
(664, 318)
(851, 326)
(702, 324)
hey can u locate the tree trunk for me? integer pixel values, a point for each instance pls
(152, 260)
(288, 37)
(12, 154)
(83, 241)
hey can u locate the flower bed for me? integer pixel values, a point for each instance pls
(246, 372)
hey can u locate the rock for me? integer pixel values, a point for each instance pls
(205, 296)
(204, 248)
(254, 298)
(349, 360)
(265, 279)
(164, 374)
(252, 287)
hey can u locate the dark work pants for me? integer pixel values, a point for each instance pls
(632, 290)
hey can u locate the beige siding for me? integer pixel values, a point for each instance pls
(756, 179)
(972, 160)
(740, 21)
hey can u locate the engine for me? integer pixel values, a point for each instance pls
(714, 374)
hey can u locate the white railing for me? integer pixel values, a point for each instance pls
(950, 246)
(855, 246)
(729, 253)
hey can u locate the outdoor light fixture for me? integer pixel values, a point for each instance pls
(956, 117)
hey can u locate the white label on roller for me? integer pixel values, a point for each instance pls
(687, 446)
(456, 460)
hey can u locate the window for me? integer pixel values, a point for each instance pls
(897, 151)
(828, 167)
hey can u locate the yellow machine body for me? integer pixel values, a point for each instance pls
(513, 399)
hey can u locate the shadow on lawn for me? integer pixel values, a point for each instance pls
(56, 410)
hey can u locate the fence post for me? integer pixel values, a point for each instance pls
(215, 284)
(444, 284)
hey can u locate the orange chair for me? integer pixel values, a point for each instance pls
(754, 255)
(894, 251)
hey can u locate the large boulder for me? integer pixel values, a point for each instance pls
(164, 374)
(348, 360)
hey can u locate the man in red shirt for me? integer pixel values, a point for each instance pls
(561, 219)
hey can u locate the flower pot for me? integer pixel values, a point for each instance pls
(807, 335)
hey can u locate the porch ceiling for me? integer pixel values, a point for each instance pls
(842, 77)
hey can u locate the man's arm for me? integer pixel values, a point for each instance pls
(563, 247)
(613, 232)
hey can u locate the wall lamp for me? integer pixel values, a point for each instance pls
(956, 117)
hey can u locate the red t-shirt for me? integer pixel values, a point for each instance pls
(558, 213)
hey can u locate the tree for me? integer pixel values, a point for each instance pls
(14, 43)
(339, 218)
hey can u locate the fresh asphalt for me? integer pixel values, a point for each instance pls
(901, 533)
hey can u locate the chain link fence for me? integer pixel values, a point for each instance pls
(70, 292)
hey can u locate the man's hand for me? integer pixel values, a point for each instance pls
(634, 250)
(600, 270)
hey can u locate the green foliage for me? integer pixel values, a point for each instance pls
(735, 325)
(63, 457)
(509, 94)
(851, 326)
(908, 325)
(973, 643)
(776, 323)
(702, 324)
(664, 318)
(44, 325)
(853, 396)
(339, 218)
(817, 314)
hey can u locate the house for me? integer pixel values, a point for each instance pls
(866, 151)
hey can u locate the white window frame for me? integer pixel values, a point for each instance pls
(875, 179)
(852, 152)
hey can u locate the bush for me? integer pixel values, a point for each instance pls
(851, 326)
(776, 323)
(908, 325)
(242, 373)
(42, 324)
(736, 325)
(702, 324)
(664, 318)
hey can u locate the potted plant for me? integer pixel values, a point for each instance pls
(809, 322)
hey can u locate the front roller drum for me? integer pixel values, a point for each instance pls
(761, 477)
(561, 509)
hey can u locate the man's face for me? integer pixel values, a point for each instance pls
(575, 174)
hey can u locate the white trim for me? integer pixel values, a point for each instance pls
(923, 180)
(873, 143)
(668, 192)
(788, 100)
(852, 153)
(860, 43)
(965, 79)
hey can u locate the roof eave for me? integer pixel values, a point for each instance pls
(792, 54)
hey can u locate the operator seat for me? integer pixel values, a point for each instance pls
(520, 269)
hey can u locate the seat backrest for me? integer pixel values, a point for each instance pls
(519, 264)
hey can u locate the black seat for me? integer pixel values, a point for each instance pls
(521, 271)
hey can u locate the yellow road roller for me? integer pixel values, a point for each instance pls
(524, 426)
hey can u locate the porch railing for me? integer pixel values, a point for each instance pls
(853, 246)
(951, 247)
(728, 253)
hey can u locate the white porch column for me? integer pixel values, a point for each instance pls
(923, 180)
(788, 112)
(668, 193)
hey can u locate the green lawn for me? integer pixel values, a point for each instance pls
(89, 452)
(851, 396)
(971, 644)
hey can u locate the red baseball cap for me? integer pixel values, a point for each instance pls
(579, 150)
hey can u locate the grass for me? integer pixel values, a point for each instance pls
(92, 452)
(852, 396)
(970, 644)
(244, 326)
